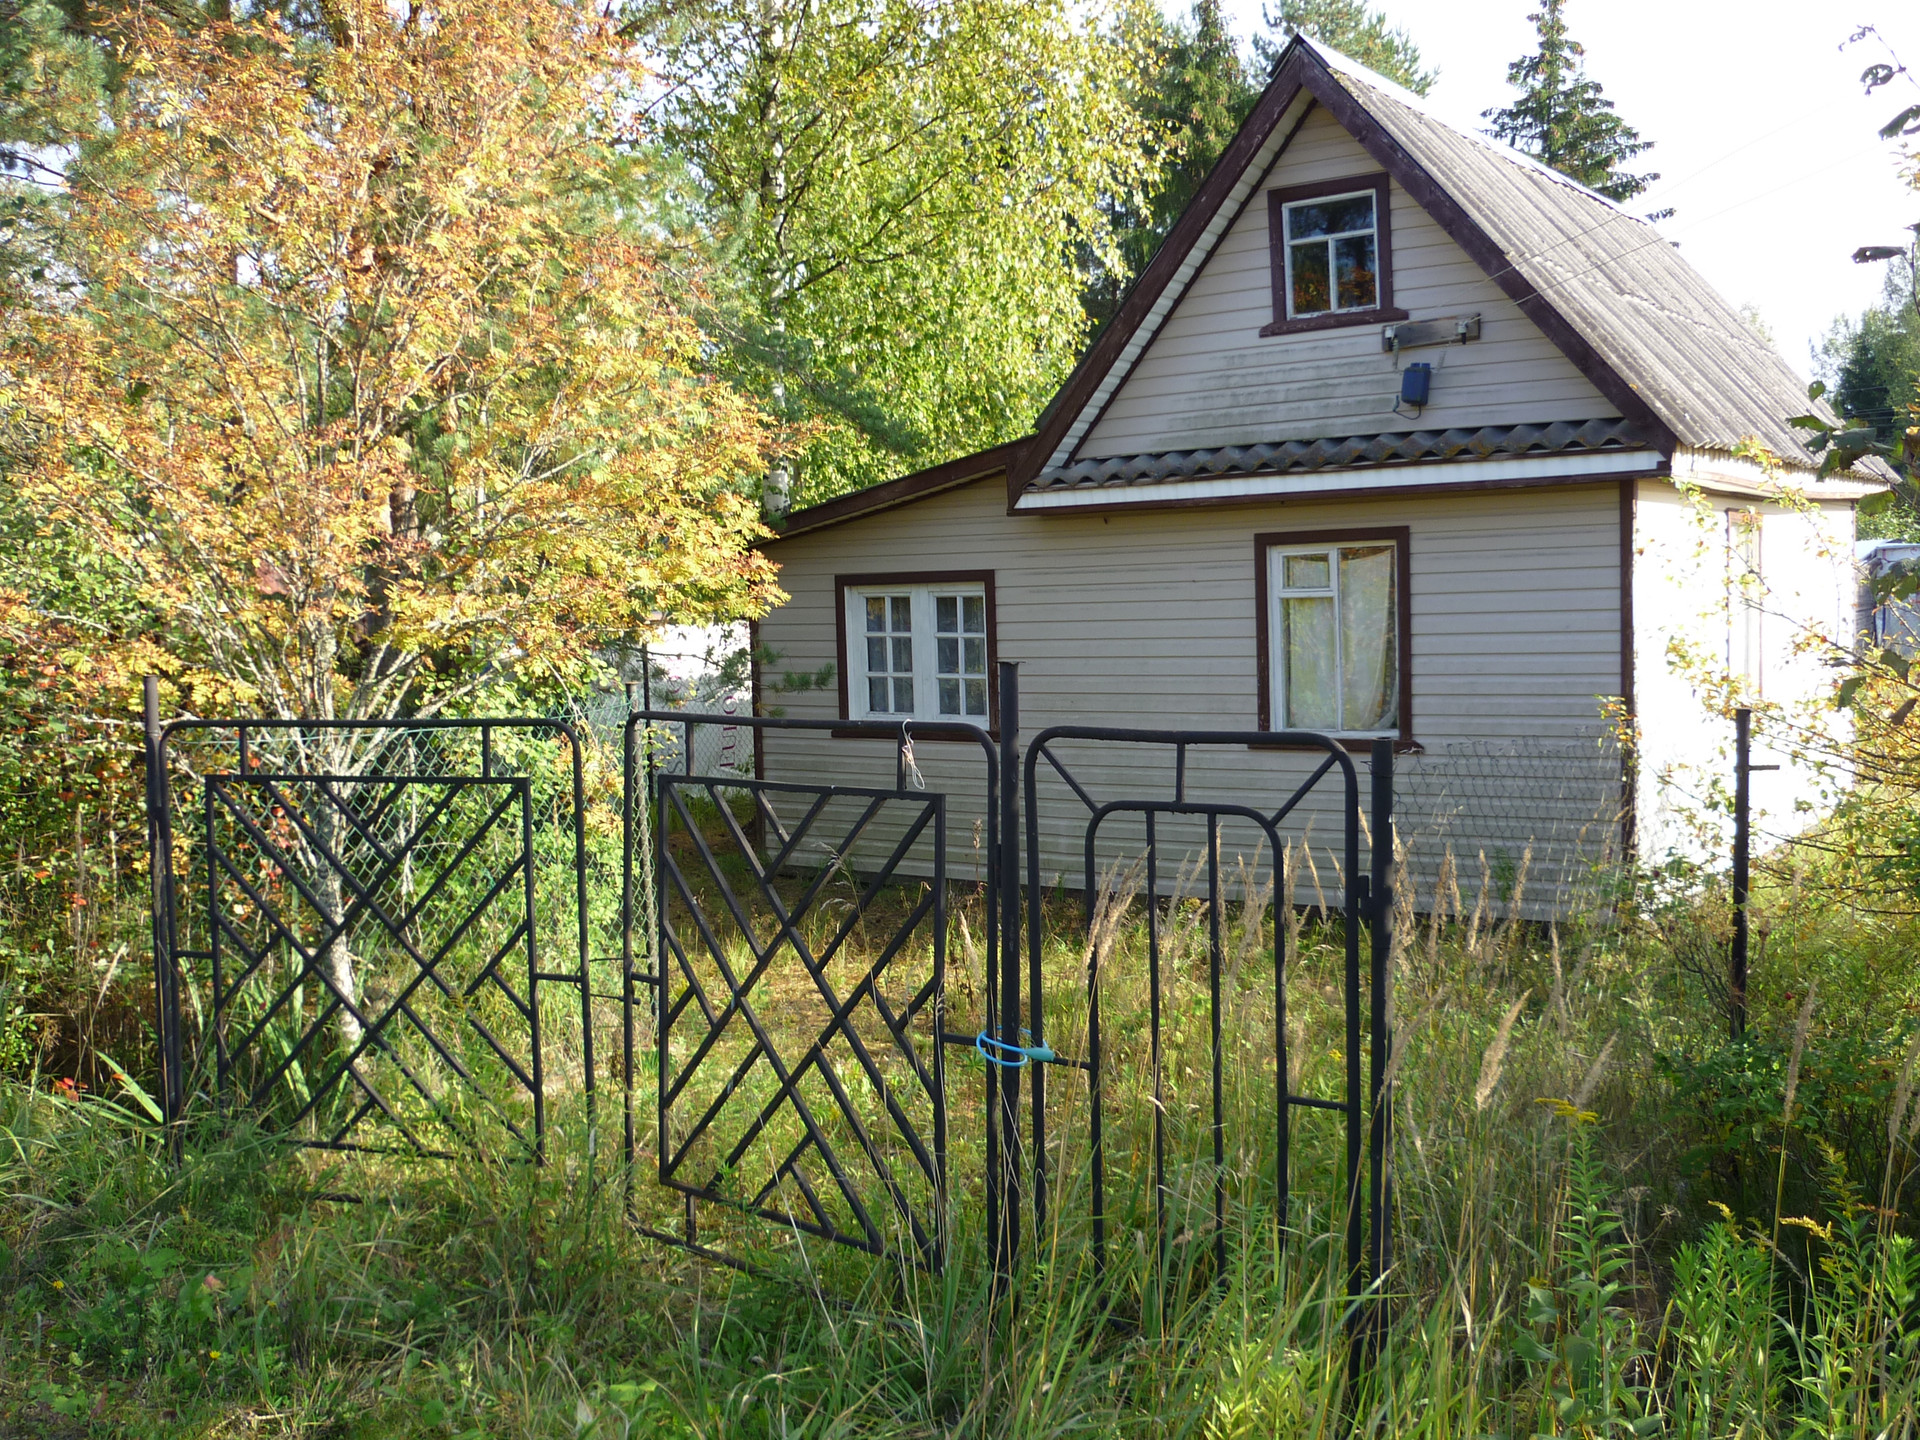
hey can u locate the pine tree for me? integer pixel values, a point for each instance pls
(1564, 120)
(1355, 31)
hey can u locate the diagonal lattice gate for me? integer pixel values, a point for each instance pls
(796, 1083)
(377, 957)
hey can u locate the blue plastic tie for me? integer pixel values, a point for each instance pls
(1038, 1054)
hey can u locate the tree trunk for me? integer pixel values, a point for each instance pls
(337, 961)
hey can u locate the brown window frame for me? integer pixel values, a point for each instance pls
(982, 578)
(1401, 536)
(1382, 313)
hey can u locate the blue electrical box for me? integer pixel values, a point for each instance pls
(1416, 383)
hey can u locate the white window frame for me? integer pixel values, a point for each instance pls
(926, 671)
(1277, 594)
(1287, 243)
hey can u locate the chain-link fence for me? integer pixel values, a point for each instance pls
(1534, 824)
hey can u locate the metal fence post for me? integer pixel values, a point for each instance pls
(1007, 864)
(1737, 968)
(166, 993)
(1380, 894)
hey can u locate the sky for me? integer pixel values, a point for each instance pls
(1767, 146)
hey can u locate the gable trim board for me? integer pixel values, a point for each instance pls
(963, 470)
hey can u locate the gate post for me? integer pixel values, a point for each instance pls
(1380, 895)
(1005, 1244)
(166, 993)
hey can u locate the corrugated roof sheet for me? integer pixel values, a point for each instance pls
(1351, 450)
(1622, 284)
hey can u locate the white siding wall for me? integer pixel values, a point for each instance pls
(1209, 378)
(1681, 609)
(1148, 620)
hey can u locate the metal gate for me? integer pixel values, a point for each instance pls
(365, 950)
(1367, 903)
(794, 1082)
(356, 917)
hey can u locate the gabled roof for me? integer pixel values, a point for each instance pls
(1615, 296)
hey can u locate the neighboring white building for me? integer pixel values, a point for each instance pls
(1400, 434)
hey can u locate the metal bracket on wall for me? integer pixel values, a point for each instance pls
(1452, 330)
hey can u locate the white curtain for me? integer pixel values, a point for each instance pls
(1369, 639)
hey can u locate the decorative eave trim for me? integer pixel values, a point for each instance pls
(904, 491)
(1174, 265)
(1343, 452)
(1369, 482)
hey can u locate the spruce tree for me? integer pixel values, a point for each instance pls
(1354, 30)
(1196, 93)
(1562, 117)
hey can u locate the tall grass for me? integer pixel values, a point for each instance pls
(1594, 1235)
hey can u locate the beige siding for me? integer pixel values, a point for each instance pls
(1209, 377)
(1148, 620)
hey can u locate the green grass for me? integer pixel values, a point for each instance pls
(1645, 1246)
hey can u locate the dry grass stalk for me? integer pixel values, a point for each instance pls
(1256, 895)
(1289, 900)
(1903, 1093)
(1479, 907)
(1510, 931)
(1557, 998)
(1495, 1059)
(1446, 884)
(1313, 872)
(1406, 922)
(1801, 1026)
(1117, 891)
(1596, 1072)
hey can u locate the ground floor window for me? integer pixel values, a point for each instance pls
(917, 646)
(1333, 615)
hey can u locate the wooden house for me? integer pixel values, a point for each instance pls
(1399, 434)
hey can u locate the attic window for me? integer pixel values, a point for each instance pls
(1331, 254)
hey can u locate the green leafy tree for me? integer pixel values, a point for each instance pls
(1356, 31)
(907, 191)
(1564, 119)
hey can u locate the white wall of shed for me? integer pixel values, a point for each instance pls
(1682, 619)
(1210, 378)
(1147, 619)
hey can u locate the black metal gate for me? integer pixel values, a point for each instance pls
(1367, 904)
(793, 1082)
(364, 953)
(362, 962)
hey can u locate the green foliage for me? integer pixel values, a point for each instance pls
(900, 191)
(1356, 31)
(1872, 363)
(1564, 119)
(1575, 1329)
(1192, 94)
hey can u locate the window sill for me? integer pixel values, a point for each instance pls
(924, 730)
(1340, 320)
(1354, 745)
